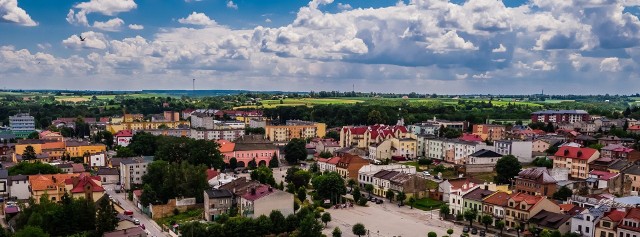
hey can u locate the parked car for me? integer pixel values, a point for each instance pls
(426, 173)
(379, 201)
(128, 212)
(474, 231)
(142, 226)
(136, 221)
(465, 229)
(482, 233)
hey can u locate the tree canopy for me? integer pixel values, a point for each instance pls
(507, 167)
(295, 151)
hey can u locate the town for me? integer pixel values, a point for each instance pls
(241, 172)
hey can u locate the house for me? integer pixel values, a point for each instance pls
(217, 202)
(542, 145)
(349, 165)
(294, 129)
(327, 145)
(490, 132)
(535, 181)
(129, 232)
(263, 199)
(471, 137)
(609, 140)
(483, 157)
(248, 148)
(576, 159)
(607, 226)
(4, 180)
(616, 151)
(363, 136)
(108, 175)
(599, 179)
(634, 129)
(239, 187)
(521, 206)
(382, 182)
(473, 199)
(123, 137)
(551, 221)
(85, 186)
(51, 136)
(366, 173)
(452, 191)
(19, 187)
(80, 148)
(410, 184)
(630, 224)
(96, 159)
(556, 116)
(632, 173)
(77, 168)
(494, 205)
(585, 222)
(132, 170)
(602, 163)
(66, 167)
(520, 149)
(51, 184)
(328, 164)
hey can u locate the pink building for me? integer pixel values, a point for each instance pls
(247, 148)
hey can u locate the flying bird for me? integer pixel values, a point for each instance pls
(81, 39)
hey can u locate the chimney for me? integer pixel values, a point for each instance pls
(253, 191)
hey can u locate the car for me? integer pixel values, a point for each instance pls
(379, 201)
(474, 231)
(465, 229)
(245, 171)
(136, 221)
(426, 173)
(128, 213)
(482, 233)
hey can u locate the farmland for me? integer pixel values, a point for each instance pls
(302, 102)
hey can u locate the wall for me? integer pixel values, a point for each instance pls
(480, 168)
(278, 200)
(166, 210)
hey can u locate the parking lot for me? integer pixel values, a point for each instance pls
(387, 220)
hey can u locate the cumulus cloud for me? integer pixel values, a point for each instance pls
(197, 19)
(114, 24)
(10, 12)
(610, 65)
(136, 27)
(92, 40)
(448, 42)
(267, 20)
(500, 49)
(344, 6)
(232, 5)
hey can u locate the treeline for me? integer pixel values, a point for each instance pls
(165, 181)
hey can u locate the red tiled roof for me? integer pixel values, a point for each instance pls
(211, 174)
(604, 175)
(79, 188)
(226, 146)
(566, 207)
(261, 191)
(498, 199)
(634, 127)
(124, 133)
(615, 215)
(471, 137)
(572, 152)
(526, 198)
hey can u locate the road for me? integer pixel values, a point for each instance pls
(151, 226)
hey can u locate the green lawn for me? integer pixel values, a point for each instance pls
(415, 164)
(432, 184)
(487, 177)
(427, 204)
(195, 214)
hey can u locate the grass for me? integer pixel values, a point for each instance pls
(487, 177)
(190, 215)
(427, 204)
(415, 164)
(432, 184)
(77, 98)
(302, 102)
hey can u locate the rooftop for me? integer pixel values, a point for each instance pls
(549, 219)
(478, 194)
(498, 198)
(575, 152)
(538, 173)
(219, 193)
(260, 192)
(485, 154)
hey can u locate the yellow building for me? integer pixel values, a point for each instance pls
(78, 149)
(247, 119)
(295, 129)
(129, 118)
(114, 128)
(577, 159)
(51, 184)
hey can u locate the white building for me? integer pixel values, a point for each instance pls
(452, 191)
(217, 134)
(19, 187)
(365, 173)
(328, 165)
(22, 123)
(97, 159)
(201, 120)
(132, 170)
(231, 124)
(483, 157)
(520, 149)
(263, 199)
(584, 222)
(435, 148)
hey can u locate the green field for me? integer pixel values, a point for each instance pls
(375, 100)
(302, 102)
(427, 204)
(556, 101)
(75, 98)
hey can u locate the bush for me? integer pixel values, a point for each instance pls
(459, 217)
(363, 202)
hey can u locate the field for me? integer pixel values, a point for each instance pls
(427, 204)
(374, 100)
(302, 102)
(73, 98)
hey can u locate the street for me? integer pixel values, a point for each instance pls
(153, 229)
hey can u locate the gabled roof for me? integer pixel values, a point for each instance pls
(219, 193)
(581, 153)
(124, 133)
(225, 146)
(615, 215)
(603, 175)
(498, 198)
(471, 137)
(618, 164)
(107, 171)
(87, 181)
(538, 174)
(212, 174)
(485, 154)
(633, 213)
(461, 183)
(260, 192)
(526, 198)
(549, 219)
(386, 174)
(478, 194)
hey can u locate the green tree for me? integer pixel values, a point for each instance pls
(450, 232)
(444, 210)
(401, 197)
(125, 152)
(252, 164)
(144, 144)
(295, 151)
(298, 177)
(350, 183)
(278, 221)
(359, 229)
(329, 186)
(375, 117)
(325, 154)
(432, 234)
(29, 153)
(31, 231)
(263, 225)
(363, 202)
(470, 215)
(263, 175)
(33, 135)
(356, 194)
(486, 221)
(562, 193)
(333, 134)
(507, 167)
(273, 163)
(148, 196)
(390, 195)
(26, 168)
(412, 201)
(336, 232)
(500, 225)
(369, 188)
(233, 163)
(302, 194)
(106, 219)
(326, 218)
(310, 227)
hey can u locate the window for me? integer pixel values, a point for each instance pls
(586, 229)
(588, 219)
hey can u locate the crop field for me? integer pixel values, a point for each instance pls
(303, 102)
(73, 98)
(556, 101)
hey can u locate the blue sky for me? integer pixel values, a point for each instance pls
(428, 46)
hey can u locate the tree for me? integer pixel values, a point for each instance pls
(325, 154)
(425, 161)
(31, 231)
(295, 151)
(336, 232)
(369, 188)
(333, 134)
(390, 195)
(273, 163)
(29, 153)
(302, 194)
(329, 186)
(450, 232)
(563, 193)
(412, 201)
(470, 215)
(263, 175)
(263, 225)
(359, 230)
(486, 221)
(124, 152)
(401, 197)
(326, 217)
(252, 164)
(233, 163)
(432, 234)
(356, 194)
(375, 117)
(444, 210)
(500, 226)
(363, 202)
(148, 196)
(106, 219)
(298, 177)
(507, 167)
(550, 127)
(351, 182)
(33, 135)
(144, 144)
(310, 227)
(278, 222)
(26, 168)
(314, 168)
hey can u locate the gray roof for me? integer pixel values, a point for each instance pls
(64, 166)
(485, 153)
(219, 193)
(478, 194)
(107, 171)
(386, 174)
(18, 178)
(618, 164)
(4, 174)
(549, 219)
(634, 170)
(537, 173)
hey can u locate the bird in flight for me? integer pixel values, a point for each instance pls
(81, 39)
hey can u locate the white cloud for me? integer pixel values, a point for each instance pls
(44, 46)
(344, 6)
(500, 49)
(482, 76)
(10, 12)
(92, 40)
(267, 20)
(197, 19)
(232, 5)
(450, 41)
(114, 24)
(462, 76)
(136, 27)
(107, 7)
(610, 65)
(541, 65)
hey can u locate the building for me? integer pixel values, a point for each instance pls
(176, 132)
(557, 116)
(483, 157)
(585, 222)
(520, 149)
(22, 124)
(473, 199)
(363, 136)
(4, 182)
(491, 132)
(108, 175)
(85, 186)
(51, 136)
(452, 191)
(607, 226)
(98, 159)
(576, 159)
(248, 148)
(349, 165)
(521, 207)
(146, 125)
(216, 203)
(599, 179)
(629, 226)
(366, 173)
(494, 205)
(230, 134)
(551, 221)
(128, 232)
(132, 170)
(328, 165)
(53, 185)
(616, 151)
(19, 187)
(535, 181)
(239, 187)
(263, 199)
(80, 148)
(257, 123)
(295, 129)
(327, 145)
(123, 137)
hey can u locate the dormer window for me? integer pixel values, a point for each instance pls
(523, 206)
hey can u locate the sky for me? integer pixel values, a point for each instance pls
(400, 46)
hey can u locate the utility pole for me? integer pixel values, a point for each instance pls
(194, 84)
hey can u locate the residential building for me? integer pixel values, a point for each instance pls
(551, 221)
(632, 173)
(85, 186)
(108, 175)
(634, 129)
(609, 140)
(328, 165)
(363, 136)
(67, 168)
(483, 157)
(494, 205)
(230, 134)
(257, 123)
(51, 149)
(295, 129)
(607, 226)
(51, 184)
(585, 127)
(382, 182)
(216, 203)
(535, 181)
(349, 165)
(132, 170)
(248, 148)
(471, 137)
(452, 191)
(239, 187)
(522, 206)
(365, 174)
(176, 132)
(146, 125)
(123, 137)
(22, 124)
(51, 136)
(585, 222)
(4, 182)
(557, 116)
(599, 179)
(491, 132)
(327, 145)
(616, 151)
(19, 187)
(98, 159)
(576, 159)
(630, 224)
(520, 149)
(129, 232)
(80, 148)
(542, 145)
(473, 199)
(263, 199)
(435, 148)
(410, 184)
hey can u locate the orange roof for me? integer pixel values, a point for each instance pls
(79, 188)
(46, 182)
(498, 199)
(526, 198)
(226, 146)
(634, 127)
(566, 207)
